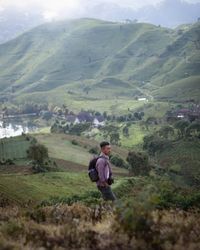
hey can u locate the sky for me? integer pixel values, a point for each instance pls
(55, 9)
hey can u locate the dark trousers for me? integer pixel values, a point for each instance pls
(107, 193)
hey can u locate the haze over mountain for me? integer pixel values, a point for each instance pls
(77, 59)
(17, 17)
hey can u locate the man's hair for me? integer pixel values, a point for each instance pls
(104, 143)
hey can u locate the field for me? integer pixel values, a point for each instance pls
(38, 187)
(19, 185)
(14, 148)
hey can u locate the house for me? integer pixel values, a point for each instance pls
(85, 117)
(98, 121)
(181, 113)
(143, 99)
(72, 119)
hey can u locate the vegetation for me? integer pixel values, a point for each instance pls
(158, 68)
(138, 162)
(144, 81)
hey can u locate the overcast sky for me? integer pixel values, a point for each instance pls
(58, 8)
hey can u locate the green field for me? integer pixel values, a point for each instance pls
(38, 187)
(14, 148)
(18, 184)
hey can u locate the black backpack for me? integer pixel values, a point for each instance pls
(92, 171)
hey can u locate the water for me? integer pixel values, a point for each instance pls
(9, 129)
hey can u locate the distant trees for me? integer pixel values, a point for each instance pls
(154, 143)
(46, 115)
(77, 129)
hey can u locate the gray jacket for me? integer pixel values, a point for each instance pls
(104, 169)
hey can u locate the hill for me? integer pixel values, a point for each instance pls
(73, 61)
(18, 183)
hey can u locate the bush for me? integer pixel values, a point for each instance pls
(154, 144)
(134, 219)
(138, 163)
(118, 161)
(77, 129)
(74, 142)
(38, 153)
(94, 150)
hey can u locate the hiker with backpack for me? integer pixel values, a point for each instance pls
(101, 173)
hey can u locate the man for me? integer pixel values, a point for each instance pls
(105, 173)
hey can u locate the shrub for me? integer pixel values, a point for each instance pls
(134, 219)
(74, 142)
(154, 144)
(118, 161)
(38, 153)
(138, 163)
(94, 150)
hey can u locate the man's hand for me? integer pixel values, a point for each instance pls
(104, 184)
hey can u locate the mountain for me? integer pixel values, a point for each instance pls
(81, 58)
(168, 13)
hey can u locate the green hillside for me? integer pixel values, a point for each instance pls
(14, 148)
(73, 61)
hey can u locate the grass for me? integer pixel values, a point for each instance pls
(184, 149)
(14, 148)
(61, 148)
(37, 187)
(19, 185)
(113, 59)
(135, 139)
(180, 90)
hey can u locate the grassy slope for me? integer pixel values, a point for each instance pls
(37, 187)
(22, 186)
(110, 58)
(13, 147)
(180, 90)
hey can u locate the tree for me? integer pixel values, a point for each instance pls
(193, 129)
(47, 115)
(114, 138)
(139, 164)
(38, 153)
(77, 129)
(125, 131)
(166, 131)
(154, 144)
(181, 126)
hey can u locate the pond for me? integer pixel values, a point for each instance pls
(15, 128)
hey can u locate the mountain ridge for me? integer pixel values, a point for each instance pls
(81, 53)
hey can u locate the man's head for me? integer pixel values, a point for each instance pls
(105, 147)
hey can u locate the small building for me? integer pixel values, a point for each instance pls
(85, 117)
(98, 121)
(143, 99)
(72, 119)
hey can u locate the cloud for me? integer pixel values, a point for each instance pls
(59, 5)
(58, 9)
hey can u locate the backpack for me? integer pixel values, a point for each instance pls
(92, 172)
